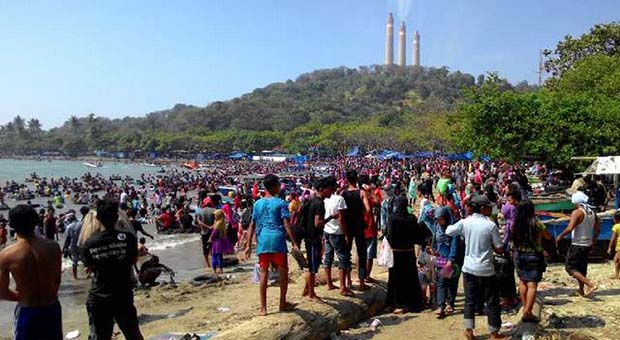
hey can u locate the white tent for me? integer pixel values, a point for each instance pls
(605, 166)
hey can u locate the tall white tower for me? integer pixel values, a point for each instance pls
(402, 45)
(416, 49)
(389, 41)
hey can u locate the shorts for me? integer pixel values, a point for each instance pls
(280, 260)
(313, 255)
(75, 258)
(371, 248)
(206, 244)
(217, 261)
(103, 313)
(337, 244)
(577, 260)
(530, 266)
(44, 322)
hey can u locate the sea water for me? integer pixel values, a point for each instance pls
(181, 252)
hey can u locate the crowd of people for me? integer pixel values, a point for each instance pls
(438, 220)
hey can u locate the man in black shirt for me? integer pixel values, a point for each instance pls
(314, 233)
(110, 255)
(354, 219)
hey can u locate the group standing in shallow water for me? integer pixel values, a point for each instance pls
(455, 235)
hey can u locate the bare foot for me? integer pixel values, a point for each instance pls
(400, 311)
(579, 292)
(588, 291)
(468, 334)
(287, 307)
(315, 298)
(363, 287)
(614, 277)
(371, 280)
(346, 292)
(331, 287)
(262, 312)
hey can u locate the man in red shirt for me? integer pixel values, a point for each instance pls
(164, 220)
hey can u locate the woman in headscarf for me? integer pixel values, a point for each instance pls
(404, 292)
(446, 249)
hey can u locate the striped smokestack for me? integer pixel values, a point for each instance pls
(389, 41)
(416, 49)
(402, 45)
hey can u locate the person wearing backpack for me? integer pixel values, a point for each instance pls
(354, 220)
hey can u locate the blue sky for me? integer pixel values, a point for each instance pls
(119, 58)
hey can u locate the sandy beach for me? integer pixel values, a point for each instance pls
(214, 308)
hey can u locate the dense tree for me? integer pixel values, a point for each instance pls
(603, 39)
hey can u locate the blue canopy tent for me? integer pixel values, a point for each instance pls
(355, 152)
(238, 155)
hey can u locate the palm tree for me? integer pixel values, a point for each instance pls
(19, 124)
(74, 122)
(34, 127)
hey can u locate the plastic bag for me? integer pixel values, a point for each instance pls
(386, 256)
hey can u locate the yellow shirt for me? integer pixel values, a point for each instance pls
(616, 230)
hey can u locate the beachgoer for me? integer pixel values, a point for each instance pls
(446, 249)
(614, 245)
(270, 220)
(404, 292)
(314, 235)
(49, 225)
(372, 202)
(111, 255)
(142, 249)
(206, 220)
(354, 220)
(335, 239)
(35, 265)
(505, 262)
(527, 238)
(3, 235)
(584, 227)
(479, 281)
(219, 242)
(72, 235)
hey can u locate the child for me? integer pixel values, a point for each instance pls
(614, 244)
(426, 275)
(270, 219)
(142, 249)
(218, 242)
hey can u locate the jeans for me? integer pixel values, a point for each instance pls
(446, 291)
(485, 287)
(360, 246)
(337, 244)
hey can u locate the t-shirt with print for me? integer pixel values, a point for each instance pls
(333, 205)
(268, 215)
(316, 208)
(111, 255)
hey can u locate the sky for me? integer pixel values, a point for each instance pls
(128, 58)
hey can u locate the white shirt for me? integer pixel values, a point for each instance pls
(123, 197)
(481, 237)
(333, 205)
